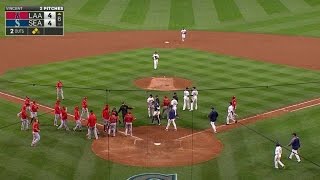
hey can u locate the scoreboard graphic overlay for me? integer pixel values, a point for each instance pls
(34, 20)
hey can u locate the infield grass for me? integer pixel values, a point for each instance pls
(68, 155)
(259, 86)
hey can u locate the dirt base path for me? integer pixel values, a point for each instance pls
(290, 50)
(294, 51)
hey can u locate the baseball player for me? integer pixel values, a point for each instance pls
(295, 144)
(277, 156)
(234, 103)
(165, 107)
(114, 110)
(113, 124)
(24, 118)
(171, 118)
(157, 100)
(64, 117)
(231, 114)
(92, 125)
(156, 112)
(35, 132)
(59, 90)
(174, 104)
(34, 109)
(128, 119)
(213, 118)
(194, 99)
(57, 113)
(77, 119)
(186, 99)
(175, 96)
(105, 118)
(150, 100)
(183, 34)
(84, 109)
(155, 58)
(27, 104)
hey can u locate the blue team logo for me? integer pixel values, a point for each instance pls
(153, 176)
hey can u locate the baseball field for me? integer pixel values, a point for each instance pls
(264, 52)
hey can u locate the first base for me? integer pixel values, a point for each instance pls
(157, 144)
(167, 42)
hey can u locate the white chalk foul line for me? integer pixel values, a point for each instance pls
(305, 107)
(47, 107)
(259, 115)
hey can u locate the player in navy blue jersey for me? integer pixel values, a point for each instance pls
(295, 144)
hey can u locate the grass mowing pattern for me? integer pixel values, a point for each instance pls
(136, 11)
(227, 10)
(226, 76)
(273, 6)
(63, 155)
(93, 7)
(275, 16)
(313, 2)
(258, 151)
(181, 14)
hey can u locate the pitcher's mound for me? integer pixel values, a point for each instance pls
(163, 83)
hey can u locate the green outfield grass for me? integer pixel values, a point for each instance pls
(294, 17)
(109, 79)
(68, 155)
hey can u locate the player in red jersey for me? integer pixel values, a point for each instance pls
(92, 125)
(128, 119)
(59, 86)
(234, 103)
(77, 119)
(64, 117)
(35, 132)
(24, 118)
(34, 110)
(165, 107)
(105, 118)
(27, 104)
(57, 113)
(113, 124)
(84, 108)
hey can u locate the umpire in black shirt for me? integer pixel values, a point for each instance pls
(124, 110)
(213, 115)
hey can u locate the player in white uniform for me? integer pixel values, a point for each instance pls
(174, 104)
(194, 99)
(231, 114)
(183, 34)
(277, 156)
(186, 99)
(155, 58)
(150, 105)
